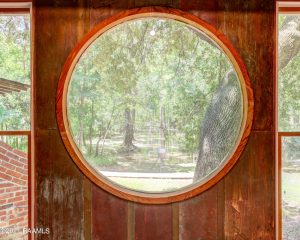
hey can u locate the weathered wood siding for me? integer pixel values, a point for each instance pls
(241, 206)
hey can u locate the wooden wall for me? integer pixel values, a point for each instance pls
(241, 206)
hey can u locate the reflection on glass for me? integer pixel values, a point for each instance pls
(13, 187)
(288, 73)
(291, 188)
(14, 72)
(154, 105)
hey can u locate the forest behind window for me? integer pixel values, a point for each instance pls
(14, 123)
(14, 72)
(289, 122)
(155, 105)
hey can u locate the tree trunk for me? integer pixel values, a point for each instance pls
(133, 120)
(129, 131)
(84, 139)
(289, 47)
(81, 137)
(219, 129)
(162, 133)
(162, 118)
(288, 40)
(91, 129)
(103, 137)
(97, 144)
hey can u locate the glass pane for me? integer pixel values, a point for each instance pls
(13, 187)
(155, 105)
(291, 188)
(289, 73)
(14, 72)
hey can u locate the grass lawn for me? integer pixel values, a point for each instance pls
(291, 205)
(291, 188)
(151, 184)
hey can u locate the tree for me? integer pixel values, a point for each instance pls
(288, 75)
(217, 134)
(154, 80)
(15, 66)
(220, 126)
(288, 41)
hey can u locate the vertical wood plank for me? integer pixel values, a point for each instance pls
(87, 202)
(153, 222)
(250, 192)
(59, 194)
(163, 3)
(58, 30)
(250, 26)
(131, 222)
(44, 185)
(175, 216)
(104, 9)
(101, 12)
(198, 216)
(221, 210)
(109, 216)
(206, 10)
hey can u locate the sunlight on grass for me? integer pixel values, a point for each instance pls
(291, 187)
(152, 185)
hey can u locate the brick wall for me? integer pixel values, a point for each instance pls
(13, 191)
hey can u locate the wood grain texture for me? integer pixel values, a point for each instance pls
(250, 192)
(58, 30)
(59, 189)
(87, 209)
(249, 25)
(163, 3)
(175, 221)
(44, 186)
(59, 183)
(135, 3)
(109, 216)
(206, 10)
(101, 13)
(130, 221)
(198, 217)
(153, 222)
(253, 39)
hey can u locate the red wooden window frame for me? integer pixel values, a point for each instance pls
(280, 136)
(18, 8)
(282, 7)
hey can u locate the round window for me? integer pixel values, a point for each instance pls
(153, 106)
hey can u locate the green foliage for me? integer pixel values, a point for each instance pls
(288, 93)
(104, 160)
(15, 65)
(163, 70)
(291, 149)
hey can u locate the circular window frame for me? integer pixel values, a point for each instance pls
(190, 190)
